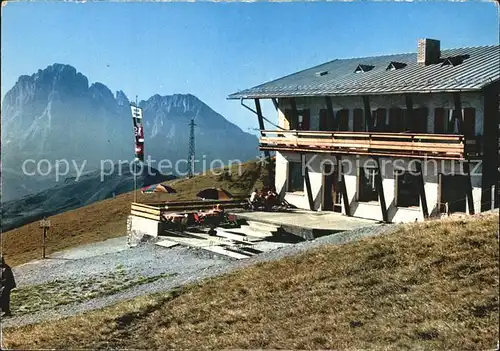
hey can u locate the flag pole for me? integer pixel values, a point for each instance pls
(135, 167)
(135, 181)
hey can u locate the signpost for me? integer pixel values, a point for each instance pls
(45, 224)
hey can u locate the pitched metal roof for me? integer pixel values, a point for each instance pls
(479, 67)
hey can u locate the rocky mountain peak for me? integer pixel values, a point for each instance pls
(54, 114)
(179, 104)
(60, 78)
(121, 98)
(101, 93)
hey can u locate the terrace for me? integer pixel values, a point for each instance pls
(440, 146)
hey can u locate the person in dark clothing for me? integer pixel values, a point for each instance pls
(6, 285)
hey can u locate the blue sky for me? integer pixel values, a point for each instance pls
(214, 49)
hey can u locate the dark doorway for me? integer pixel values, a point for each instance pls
(453, 192)
(331, 191)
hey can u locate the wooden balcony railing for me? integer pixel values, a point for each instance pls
(443, 146)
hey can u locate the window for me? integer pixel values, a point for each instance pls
(343, 119)
(295, 177)
(302, 122)
(444, 121)
(358, 120)
(407, 189)
(469, 126)
(367, 188)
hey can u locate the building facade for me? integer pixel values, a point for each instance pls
(393, 138)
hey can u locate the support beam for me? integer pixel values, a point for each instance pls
(368, 113)
(421, 189)
(380, 191)
(331, 123)
(491, 147)
(410, 115)
(343, 189)
(470, 200)
(270, 170)
(440, 205)
(275, 103)
(308, 185)
(259, 115)
(295, 114)
(457, 114)
(262, 127)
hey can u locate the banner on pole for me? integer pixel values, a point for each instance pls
(138, 132)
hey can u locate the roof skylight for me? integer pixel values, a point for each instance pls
(395, 65)
(363, 68)
(454, 60)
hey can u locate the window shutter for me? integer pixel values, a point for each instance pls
(323, 113)
(358, 120)
(381, 116)
(289, 117)
(439, 120)
(469, 125)
(396, 120)
(451, 121)
(343, 118)
(306, 120)
(406, 120)
(346, 120)
(420, 120)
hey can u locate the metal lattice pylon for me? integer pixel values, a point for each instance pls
(191, 155)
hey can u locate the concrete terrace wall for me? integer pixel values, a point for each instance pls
(372, 210)
(404, 214)
(139, 229)
(315, 163)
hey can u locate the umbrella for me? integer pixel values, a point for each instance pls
(158, 188)
(215, 194)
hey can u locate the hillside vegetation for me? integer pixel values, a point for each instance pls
(107, 219)
(431, 285)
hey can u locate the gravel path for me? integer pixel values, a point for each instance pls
(186, 265)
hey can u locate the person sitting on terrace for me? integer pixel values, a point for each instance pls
(270, 200)
(254, 195)
(255, 199)
(218, 209)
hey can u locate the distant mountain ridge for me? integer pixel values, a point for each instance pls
(55, 114)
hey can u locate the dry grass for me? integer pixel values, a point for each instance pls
(430, 285)
(107, 219)
(43, 297)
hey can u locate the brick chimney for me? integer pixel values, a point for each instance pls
(429, 51)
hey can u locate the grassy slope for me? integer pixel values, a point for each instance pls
(430, 285)
(107, 219)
